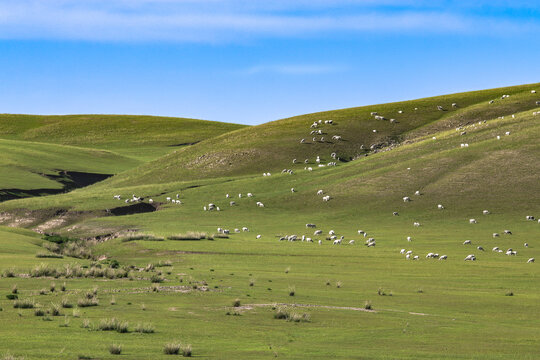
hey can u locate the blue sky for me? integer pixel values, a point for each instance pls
(254, 61)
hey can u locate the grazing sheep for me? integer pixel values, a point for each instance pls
(417, 193)
(337, 242)
(533, 91)
(204, 207)
(302, 141)
(470, 257)
(168, 199)
(443, 257)
(239, 196)
(395, 213)
(361, 232)
(480, 248)
(331, 232)
(440, 108)
(454, 105)
(151, 201)
(309, 240)
(496, 248)
(227, 196)
(526, 245)
(406, 199)
(311, 225)
(249, 195)
(507, 232)
(320, 242)
(473, 221)
(529, 217)
(408, 256)
(531, 260)
(440, 207)
(491, 101)
(495, 235)
(417, 224)
(351, 242)
(258, 236)
(485, 212)
(318, 232)
(226, 231)
(320, 192)
(467, 242)
(326, 198)
(409, 239)
(416, 257)
(511, 252)
(232, 203)
(260, 204)
(402, 251)
(245, 229)
(409, 252)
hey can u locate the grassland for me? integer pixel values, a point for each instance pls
(487, 309)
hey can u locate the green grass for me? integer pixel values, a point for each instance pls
(437, 309)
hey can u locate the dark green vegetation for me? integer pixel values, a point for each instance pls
(156, 276)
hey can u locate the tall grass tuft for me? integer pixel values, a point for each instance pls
(190, 235)
(172, 348)
(54, 310)
(24, 304)
(236, 303)
(186, 350)
(115, 349)
(367, 305)
(145, 328)
(292, 290)
(14, 289)
(66, 304)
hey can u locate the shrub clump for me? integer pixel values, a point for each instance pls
(115, 349)
(172, 348)
(190, 235)
(24, 304)
(145, 328)
(113, 325)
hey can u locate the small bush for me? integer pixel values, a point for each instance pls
(43, 255)
(190, 235)
(287, 270)
(8, 273)
(66, 322)
(292, 291)
(145, 328)
(115, 349)
(86, 324)
(251, 282)
(144, 237)
(339, 284)
(236, 303)
(367, 305)
(295, 317)
(113, 300)
(39, 312)
(186, 350)
(282, 313)
(63, 287)
(76, 313)
(54, 310)
(12, 296)
(14, 289)
(172, 348)
(113, 325)
(509, 293)
(86, 302)
(42, 292)
(156, 279)
(66, 304)
(24, 304)
(52, 288)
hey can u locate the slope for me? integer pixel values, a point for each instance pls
(273, 146)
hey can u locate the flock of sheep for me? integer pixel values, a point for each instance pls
(315, 130)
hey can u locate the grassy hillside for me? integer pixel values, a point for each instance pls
(428, 308)
(141, 137)
(273, 146)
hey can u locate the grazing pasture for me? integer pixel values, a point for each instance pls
(257, 282)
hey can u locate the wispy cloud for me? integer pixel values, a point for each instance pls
(218, 20)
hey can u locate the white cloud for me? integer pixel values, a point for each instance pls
(230, 20)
